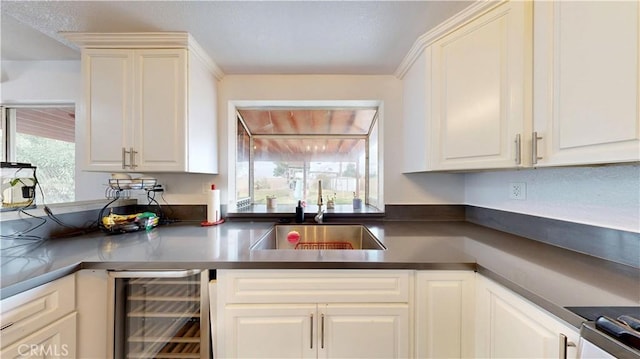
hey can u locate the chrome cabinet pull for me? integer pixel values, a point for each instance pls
(534, 148)
(154, 274)
(564, 344)
(5, 326)
(124, 158)
(311, 331)
(132, 158)
(518, 151)
(322, 332)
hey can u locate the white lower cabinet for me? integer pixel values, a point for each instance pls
(444, 309)
(353, 330)
(364, 330)
(313, 314)
(40, 322)
(379, 314)
(508, 326)
(269, 331)
(92, 305)
(57, 340)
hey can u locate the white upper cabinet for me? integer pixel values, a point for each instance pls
(416, 87)
(467, 96)
(149, 103)
(586, 82)
(479, 74)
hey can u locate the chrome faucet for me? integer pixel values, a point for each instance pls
(318, 218)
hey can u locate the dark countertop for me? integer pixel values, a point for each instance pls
(549, 276)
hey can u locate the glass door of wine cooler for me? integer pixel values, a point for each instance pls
(160, 314)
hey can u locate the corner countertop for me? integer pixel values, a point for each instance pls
(549, 276)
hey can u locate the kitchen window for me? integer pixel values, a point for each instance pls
(284, 152)
(45, 137)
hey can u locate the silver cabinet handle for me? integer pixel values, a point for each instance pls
(534, 148)
(124, 158)
(154, 274)
(311, 331)
(132, 158)
(322, 331)
(5, 326)
(518, 151)
(564, 344)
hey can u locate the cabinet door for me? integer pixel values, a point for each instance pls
(444, 311)
(269, 331)
(363, 331)
(107, 108)
(161, 109)
(586, 82)
(508, 326)
(57, 340)
(480, 90)
(26, 312)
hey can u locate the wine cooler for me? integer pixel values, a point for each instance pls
(159, 314)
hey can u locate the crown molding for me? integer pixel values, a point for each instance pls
(197, 50)
(142, 40)
(444, 28)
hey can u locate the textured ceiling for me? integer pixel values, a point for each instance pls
(320, 37)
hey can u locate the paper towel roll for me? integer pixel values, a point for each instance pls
(213, 205)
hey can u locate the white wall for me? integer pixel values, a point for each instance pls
(606, 196)
(40, 81)
(51, 82)
(398, 188)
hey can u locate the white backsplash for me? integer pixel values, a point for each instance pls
(606, 196)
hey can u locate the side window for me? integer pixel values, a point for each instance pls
(43, 136)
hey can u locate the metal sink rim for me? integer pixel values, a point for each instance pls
(272, 241)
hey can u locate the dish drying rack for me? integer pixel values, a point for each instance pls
(324, 245)
(120, 188)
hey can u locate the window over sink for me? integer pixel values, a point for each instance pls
(283, 151)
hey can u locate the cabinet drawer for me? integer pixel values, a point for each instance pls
(24, 313)
(312, 286)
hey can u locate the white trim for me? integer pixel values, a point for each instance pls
(143, 40)
(234, 105)
(127, 40)
(448, 25)
(196, 49)
(37, 104)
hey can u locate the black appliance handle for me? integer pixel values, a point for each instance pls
(619, 330)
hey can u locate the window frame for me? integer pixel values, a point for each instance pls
(8, 126)
(234, 119)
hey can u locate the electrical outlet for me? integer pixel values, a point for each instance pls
(518, 191)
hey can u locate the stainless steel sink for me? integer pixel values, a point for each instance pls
(319, 237)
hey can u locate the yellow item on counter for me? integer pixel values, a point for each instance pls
(131, 222)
